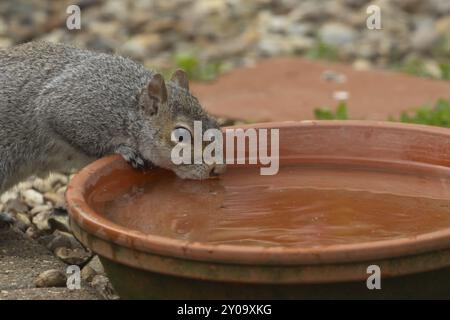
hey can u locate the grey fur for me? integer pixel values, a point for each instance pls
(62, 107)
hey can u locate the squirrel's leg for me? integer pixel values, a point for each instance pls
(133, 157)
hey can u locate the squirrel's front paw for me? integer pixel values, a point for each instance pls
(133, 158)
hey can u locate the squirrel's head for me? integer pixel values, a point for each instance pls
(170, 110)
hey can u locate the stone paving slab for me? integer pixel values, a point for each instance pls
(291, 88)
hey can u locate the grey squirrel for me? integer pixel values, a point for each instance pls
(61, 107)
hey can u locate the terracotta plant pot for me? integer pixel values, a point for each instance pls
(150, 266)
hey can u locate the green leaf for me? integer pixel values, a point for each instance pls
(326, 113)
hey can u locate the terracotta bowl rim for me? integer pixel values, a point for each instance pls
(95, 224)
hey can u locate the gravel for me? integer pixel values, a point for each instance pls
(38, 210)
(237, 32)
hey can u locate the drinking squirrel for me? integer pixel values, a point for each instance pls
(62, 107)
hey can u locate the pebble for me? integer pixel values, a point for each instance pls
(93, 268)
(40, 209)
(96, 265)
(22, 221)
(57, 199)
(15, 206)
(42, 185)
(362, 65)
(59, 220)
(51, 278)
(152, 31)
(425, 35)
(337, 34)
(87, 273)
(32, 232)
(333, 76)
(102, 285)
(62, 239)
(40, 220)
(32, 198)
(76, 256)
(141, 45)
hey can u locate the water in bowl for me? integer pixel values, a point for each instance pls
(303, 205)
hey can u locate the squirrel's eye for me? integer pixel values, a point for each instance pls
(181, 134)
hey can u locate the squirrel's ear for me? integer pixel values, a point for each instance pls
(180, 78)
(157, 88)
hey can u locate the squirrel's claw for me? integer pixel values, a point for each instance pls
(137, 162)
(133, 158)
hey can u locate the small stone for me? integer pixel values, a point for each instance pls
(57, 180)
(9, 195)
(440, 7)
(61, 191)
(59, 220)
(336, 34)
(15, 206)
(32, 232)
(333, 76)
(87, 273)
(76, 256)
(408, 5)
(5, 42)
(22, 221)
(41, 221)
(432, 68)
(300, 44)
(51, 278)
(42, 185)
(341, 95)
(40, 209)
(32, 198)
(63, 240)
(45, 239)
(24, 185)
(277, 24)
(141, 45)
(425, 35)
(96, 265)
(56, 198)
(104, 287)
(355, 3)
(442, 25)
(362, 65)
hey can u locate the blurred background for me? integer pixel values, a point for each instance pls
(207, 37)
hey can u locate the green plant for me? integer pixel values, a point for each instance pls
(438, 115)
(417, 67)
(445, 70)
(325, 113)
(196, 69)
(324, 51)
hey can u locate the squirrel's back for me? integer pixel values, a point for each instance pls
(26, 68)
(38, 80)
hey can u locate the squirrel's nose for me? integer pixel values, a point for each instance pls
(217, 170)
